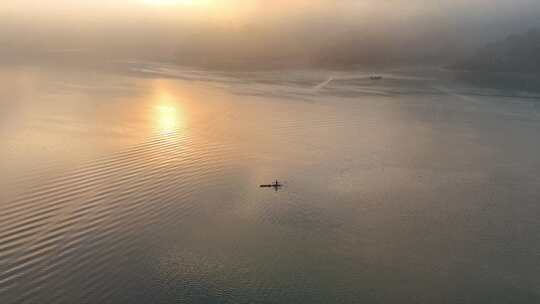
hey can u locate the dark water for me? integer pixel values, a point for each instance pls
(139, 184)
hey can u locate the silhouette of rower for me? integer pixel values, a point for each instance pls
(276, 185)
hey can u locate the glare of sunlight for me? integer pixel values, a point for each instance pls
(168, 121)
(168, 115)
(175, 2)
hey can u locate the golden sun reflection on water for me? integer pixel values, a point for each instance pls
(167, 119)
(168, 114)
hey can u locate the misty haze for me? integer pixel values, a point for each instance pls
(249, 151)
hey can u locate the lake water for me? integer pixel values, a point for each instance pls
(139, 183)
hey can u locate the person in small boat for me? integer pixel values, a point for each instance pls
(275, 184)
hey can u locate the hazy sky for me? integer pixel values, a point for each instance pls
(203, 31)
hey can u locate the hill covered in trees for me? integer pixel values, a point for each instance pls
(517, 53)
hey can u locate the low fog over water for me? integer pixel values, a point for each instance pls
(236, 33)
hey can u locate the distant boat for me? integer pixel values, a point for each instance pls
(375, 77)
(276, 185)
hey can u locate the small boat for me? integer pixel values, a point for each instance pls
(375, 77)
(276, 185)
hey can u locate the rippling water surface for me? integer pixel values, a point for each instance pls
(139, 184)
